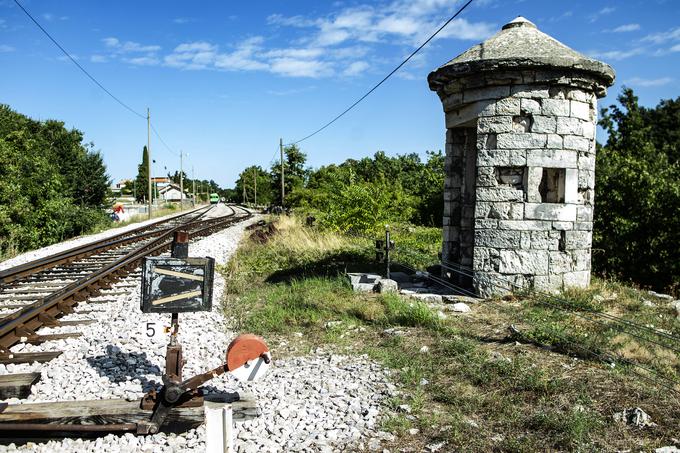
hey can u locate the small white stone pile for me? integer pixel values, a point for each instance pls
(321, 402)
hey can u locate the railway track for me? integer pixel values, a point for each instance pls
(39, 293)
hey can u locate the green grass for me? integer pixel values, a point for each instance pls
(474, 387)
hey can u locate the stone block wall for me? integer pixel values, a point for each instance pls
(531, 197)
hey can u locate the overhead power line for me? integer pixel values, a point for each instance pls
(78, 64)
(460, 10)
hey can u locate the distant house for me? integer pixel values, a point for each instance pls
(170, 192)
(119, 186)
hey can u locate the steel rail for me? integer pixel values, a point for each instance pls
(24, 322)
(14, 273)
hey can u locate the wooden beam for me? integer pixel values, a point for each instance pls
(118, 413)
(30, 357)
(17, 385)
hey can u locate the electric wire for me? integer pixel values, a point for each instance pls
(123, 104)
(91, 77)
(460, 10)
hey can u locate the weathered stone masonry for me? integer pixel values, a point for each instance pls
(520, 157)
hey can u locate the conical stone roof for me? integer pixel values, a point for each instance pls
(519, 45)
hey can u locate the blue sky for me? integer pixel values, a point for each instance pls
(225, 80)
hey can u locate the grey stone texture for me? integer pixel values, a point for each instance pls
(521, 111)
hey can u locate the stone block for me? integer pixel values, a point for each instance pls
(586, 179)
(524, 225)
(525, 240)
(545, 240)
(482, 224)
(482, 259)
(567, 125)
(580, 110)
(495, 124)
(578, 239)
(508, 106)
(452, 101)
(544, 124)
(523, 262)
(387, 285)
(515, 141)
(467, 113)
(571, 185)
(550, 211)
(584, 213)
(588, 130)
(578, 95)
(581, 259)
(530, 106)
(576, 143)
(583, 226)
(486, 177)
(500, 210)
(548, 283)
(500, 193)
(530, 91)
(554, 141)
(501, 157)
(478, 94)
(555, 107)
(563, 226)
(551, 158)
(505, 239)
(576, 279)
(534, 175)
(586, 161)
(561, 262)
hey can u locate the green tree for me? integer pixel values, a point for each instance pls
(294, 172)
(246, 178)
(142, 179)
(637, 215)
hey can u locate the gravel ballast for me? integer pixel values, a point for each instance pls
(321, 402)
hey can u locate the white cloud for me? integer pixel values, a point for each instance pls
(129, 46)
(48, 17)
(662, 37)
(616, 54)
(142, 61)
(356, 68)
(182, 20)
(300, 68)
(99, 58)
(603, 12)
(675, 48)
(624, 28)
(5, 48)
(637, 81)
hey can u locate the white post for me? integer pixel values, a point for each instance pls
(219, 427)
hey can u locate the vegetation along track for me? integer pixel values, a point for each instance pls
(36, 294)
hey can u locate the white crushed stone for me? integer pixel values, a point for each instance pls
(322, 402)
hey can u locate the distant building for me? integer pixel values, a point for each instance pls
(119, 186)
(171, 192)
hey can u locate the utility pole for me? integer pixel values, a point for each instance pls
(181, 181)
(255, 186)
(193, 182)
(148, 153)
(283, 191)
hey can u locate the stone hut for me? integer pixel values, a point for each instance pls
(520, 113)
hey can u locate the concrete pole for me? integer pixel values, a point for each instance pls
(283, 190)
(181, 180)
(193, 182)
(148, 154)
(255, 186)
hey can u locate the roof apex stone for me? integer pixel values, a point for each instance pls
(520, 45)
